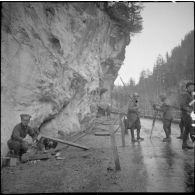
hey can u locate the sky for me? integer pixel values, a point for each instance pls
(165, 24)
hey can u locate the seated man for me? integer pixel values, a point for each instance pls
(16, 142)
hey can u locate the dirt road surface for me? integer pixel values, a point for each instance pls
(147, 166)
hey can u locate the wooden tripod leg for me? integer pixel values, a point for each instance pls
(122, 131)
(129, 134)
(115, 152)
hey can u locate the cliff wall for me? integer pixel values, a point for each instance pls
(56, 58)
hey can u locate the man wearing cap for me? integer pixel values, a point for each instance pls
(16, 142)
(186, 110)
(167, 117)
(133, 118)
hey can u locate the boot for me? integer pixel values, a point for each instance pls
(180, 137)
(185, 146)
(132, 136)
(140, 139)
(138, 136)
(133, 140)
(167, 139)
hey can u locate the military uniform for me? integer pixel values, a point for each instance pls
(167, 118)
(16, 142)
(181, 126)
(186, 110)
(133, 118)
(181, 123)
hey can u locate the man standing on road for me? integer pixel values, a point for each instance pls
(133, 118)
(181, 126)
(181, 123)
(167, 118)
(16, 142)
(186, 110)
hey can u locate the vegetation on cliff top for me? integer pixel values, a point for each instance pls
(125, 14)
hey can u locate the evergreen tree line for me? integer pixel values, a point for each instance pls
(168, 77)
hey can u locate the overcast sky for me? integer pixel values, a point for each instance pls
(164, 26)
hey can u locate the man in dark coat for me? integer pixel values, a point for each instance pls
(16, 142)
(181, 123)
(186, 109)
(181, 126)
(167, 116)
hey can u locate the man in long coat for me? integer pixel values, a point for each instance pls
(133, 118)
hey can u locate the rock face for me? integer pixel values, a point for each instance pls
(55, 60)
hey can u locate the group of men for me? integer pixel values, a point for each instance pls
(186, 108)
(17, 144)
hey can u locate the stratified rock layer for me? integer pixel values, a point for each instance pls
(55, 59)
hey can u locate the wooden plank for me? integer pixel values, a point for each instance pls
(106, 128)
(29, 157)
(114, 149)
(104, 123)
(117, 128)
(101, 128)
(115, 121)
(122, 131)
(116, 112)
(66, 142)
(102, 134)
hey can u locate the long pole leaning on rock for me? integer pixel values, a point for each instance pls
(126, 88)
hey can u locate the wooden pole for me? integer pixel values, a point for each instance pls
(122, 130)
(129, 134)
(114, 149)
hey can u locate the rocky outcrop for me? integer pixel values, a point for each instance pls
(56, 58)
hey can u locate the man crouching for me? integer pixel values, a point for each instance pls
(16, 142)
